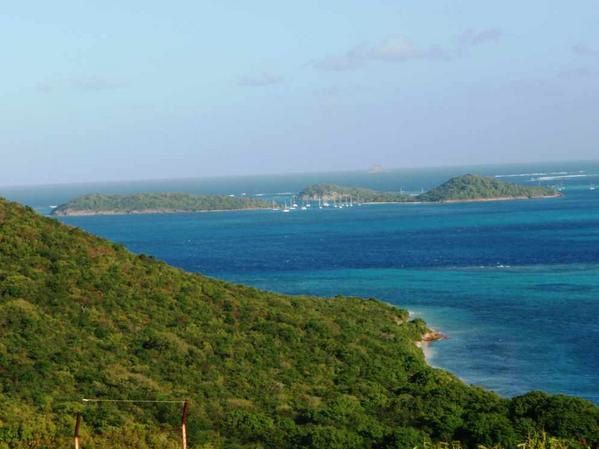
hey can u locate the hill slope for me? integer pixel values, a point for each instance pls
(333, 192)
(96, 204)
(475, 187)
(460, 188)
(83, 317)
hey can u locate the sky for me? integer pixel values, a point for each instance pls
(111, 90)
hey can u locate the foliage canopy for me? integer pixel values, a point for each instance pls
(156, 203)
(460, 188)
(83, 317)
(476, 187)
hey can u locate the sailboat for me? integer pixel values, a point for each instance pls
(286, 209)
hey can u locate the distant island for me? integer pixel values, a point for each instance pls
(155, 203)
(483, 188)
(376, 169)
(458, 189)
(333, 192)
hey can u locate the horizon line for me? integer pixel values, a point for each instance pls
(287, 173)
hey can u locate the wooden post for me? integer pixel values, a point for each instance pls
(77, 425)
(183, 424)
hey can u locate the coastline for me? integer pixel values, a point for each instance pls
(424, 344)
(473, 200)
(500, 198)
(81, 213)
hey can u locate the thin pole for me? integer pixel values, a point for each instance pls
(77, 425)
(147, 401)
(184, 424)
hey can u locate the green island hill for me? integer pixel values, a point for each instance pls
(333, 192)
(147, 203)
(458, 189)
(483, 188)
(82, 317)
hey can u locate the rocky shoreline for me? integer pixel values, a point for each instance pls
(427, 338)
(433, 335)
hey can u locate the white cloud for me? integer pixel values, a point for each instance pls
(472, 37)
(583, 50)
(261, 79)
(578, 74)
(339, 63)
(392, 49)
(399, 49)
(339, 91)
(84, 84)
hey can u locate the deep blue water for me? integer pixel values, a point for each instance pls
(515, 285)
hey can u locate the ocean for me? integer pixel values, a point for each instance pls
(513, 284)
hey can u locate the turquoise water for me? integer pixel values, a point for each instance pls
(514, 285)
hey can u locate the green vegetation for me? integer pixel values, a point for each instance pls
(475, 187)
(467, 187)
(83, 317)
(537, 440)
(332, 192)
(155, 203)
(460, 188)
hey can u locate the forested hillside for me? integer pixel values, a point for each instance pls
(154, 203)
(82, 317)
(333, 192)
(475, 187)
(459, 188)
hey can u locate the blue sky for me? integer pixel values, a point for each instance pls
(113, 90)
